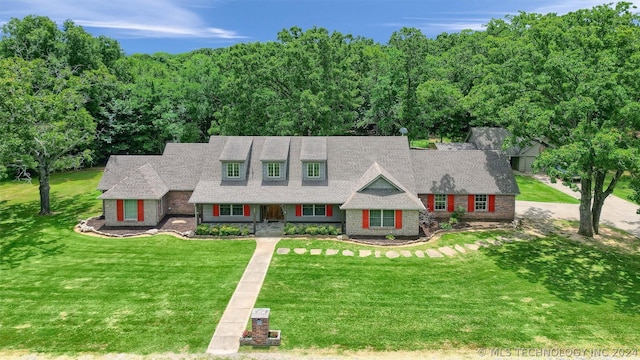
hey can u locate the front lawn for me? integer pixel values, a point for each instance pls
(536, 294)
(63, 292)
(623, 187)
(534, 190)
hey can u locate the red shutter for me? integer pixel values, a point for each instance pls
(140, 210)
(120, 210)
(471, 206)
(216, 210)
(329, 210)
(298, 210)
(492, 203)
(365, 219)
(247, 210)
(451, 202)
(398, 219)
(431, 199)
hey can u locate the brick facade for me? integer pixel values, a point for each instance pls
(150, 214)
(177, 203)
(505, 208)
(260, 326)
(353, 225)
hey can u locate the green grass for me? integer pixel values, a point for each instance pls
(534, 190)
(421, 143)
(63, 292)
(536, 294)
(623, 187)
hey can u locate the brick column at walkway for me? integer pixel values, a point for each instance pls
(226, 339)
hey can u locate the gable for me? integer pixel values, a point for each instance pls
(381, 184)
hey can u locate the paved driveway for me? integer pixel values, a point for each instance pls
(616, 212)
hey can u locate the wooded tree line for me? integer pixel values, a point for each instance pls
(69, 99)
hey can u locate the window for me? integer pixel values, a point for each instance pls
(313, 170)
(381, 218)
(481, 203)
(131, 209)
(273, 170)
(233, 170)
(313, 210)
(440, 202)
(231, 210)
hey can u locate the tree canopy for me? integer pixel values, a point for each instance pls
(568, 81)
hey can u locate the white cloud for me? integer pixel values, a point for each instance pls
(136, 18)
(565, 6)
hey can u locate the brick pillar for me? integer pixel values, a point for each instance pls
(260, 325)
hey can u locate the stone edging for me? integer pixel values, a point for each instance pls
(82, 227)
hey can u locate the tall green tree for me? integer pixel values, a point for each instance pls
(570, 82)
(44, 122)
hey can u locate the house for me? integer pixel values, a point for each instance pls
(493, 138)
(368, 185)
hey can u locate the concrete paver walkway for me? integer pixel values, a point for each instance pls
(226, 339)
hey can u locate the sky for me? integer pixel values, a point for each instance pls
(178, 26)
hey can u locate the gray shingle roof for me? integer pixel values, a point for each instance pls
(313, 149)
(143, 183)
(348, 158)
(463, 172)
(275, 149)
(491, 138)
(455, 146)
(120, 166)
(352, 164)
(366, 198)
(236, 148)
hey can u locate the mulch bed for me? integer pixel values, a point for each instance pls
(173, 222)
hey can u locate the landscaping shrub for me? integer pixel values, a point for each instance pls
(445, 226)
(291, 229)
(221, 230)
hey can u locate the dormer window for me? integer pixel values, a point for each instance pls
(313, 170)
(233, 170)
(273, 170)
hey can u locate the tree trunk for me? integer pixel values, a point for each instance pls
(45, 206)
(586, 220)
(599, 196)
(598, 201)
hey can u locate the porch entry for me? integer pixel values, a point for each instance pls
(272, 213)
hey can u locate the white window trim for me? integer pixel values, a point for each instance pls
(315, 166)
(484, 203)
(272, 168)
(382, 225)
(442, 202)
(231, 212)
(314, 207)
(231, 167)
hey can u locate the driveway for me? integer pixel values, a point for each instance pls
(616, 212)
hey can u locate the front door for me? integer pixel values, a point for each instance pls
(273, 213)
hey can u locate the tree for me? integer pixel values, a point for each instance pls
(569, 82)
(34, 37)
(441, 102)
(44, 122)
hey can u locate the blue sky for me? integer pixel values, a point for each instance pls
(176, 26)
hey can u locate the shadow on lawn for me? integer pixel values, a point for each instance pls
(28, 235)
(574, 271)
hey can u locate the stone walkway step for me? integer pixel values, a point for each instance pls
(393, 254)
(226, 339)
(433, 253)
(447, 251)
